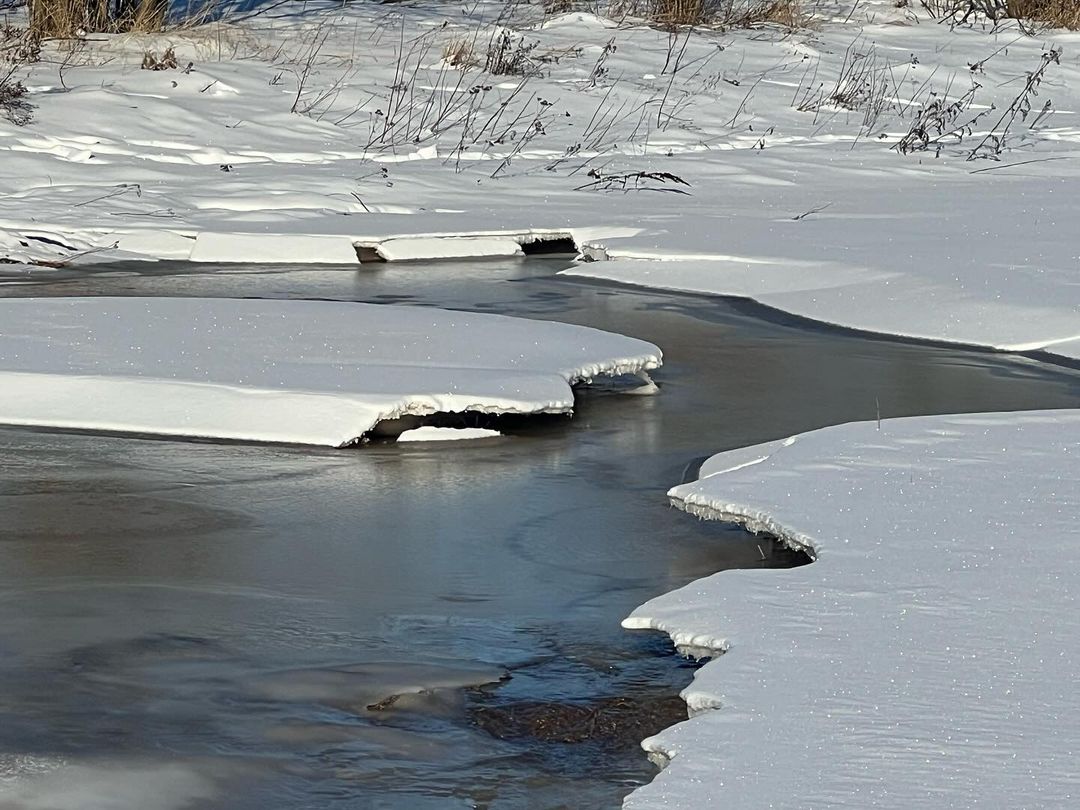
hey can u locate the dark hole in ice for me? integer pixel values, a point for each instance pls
(368, 253)
(774, 552)
(506, 423)
(550, 246)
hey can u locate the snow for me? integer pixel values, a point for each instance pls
(310, 372)
(925, 659)
(793, 199)
(429, 433)
(274, 248)
(404, 249)
(983, 306)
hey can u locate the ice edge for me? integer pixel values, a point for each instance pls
(702, 645)
(410, 405)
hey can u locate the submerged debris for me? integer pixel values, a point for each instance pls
(622, 721)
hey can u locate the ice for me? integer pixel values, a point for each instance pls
(927, 300)
(309, 372)
(371, 685)
(429, 433)
(272, 248)
(109, 786)
(925, 659)
(446, 248)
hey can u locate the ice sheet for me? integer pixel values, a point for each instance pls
(310, 372)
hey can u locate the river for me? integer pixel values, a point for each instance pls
(210, 624)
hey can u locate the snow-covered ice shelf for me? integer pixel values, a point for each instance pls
(307, 372)
(986, 304)
(926, 659)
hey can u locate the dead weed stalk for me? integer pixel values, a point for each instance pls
(994, 142)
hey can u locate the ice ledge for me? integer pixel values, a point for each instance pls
(206, 237)
(308, 372)
(754, 521)
(932, 638)
(1043, 314)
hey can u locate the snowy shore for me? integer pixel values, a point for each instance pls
(762, 163)
(925, 659)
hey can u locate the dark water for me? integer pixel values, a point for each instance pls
(196, 624)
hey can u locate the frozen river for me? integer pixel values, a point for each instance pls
(209, 623)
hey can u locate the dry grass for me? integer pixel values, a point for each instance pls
(680, 12)
(1051, 13)
(671, 14)
(58, 18)
(506, 54)
(14, 104)
(865, 84)
(461, 53)
(17, 47)
(1032, 15)
(510, 55)
(67, 18)
(167, 61)
(145, 16)
(785, 13)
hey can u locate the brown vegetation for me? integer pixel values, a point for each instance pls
(17, 47)
(718, 13)
(1031, 15)
(1052, 13)
(67, 18)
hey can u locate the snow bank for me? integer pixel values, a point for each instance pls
(308, 372)
(1042, 311)
(926, 659)
(273, 248)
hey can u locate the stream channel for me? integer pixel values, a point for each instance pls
(196, 624)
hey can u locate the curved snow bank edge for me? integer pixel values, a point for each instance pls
(150, 406)
(911, 629)
(855, 300)
(303, 372)
(687, 641)
(754, 521)
(703, 645)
